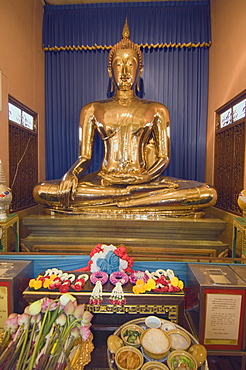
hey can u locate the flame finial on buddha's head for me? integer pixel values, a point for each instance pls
(125, 43)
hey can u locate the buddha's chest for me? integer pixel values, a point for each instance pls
(125, 120)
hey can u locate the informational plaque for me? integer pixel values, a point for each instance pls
(4, 303)
(223, 318)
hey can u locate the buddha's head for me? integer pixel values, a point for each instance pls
(125, 63)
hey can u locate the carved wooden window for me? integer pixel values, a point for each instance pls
(23, 154)
(230, 153)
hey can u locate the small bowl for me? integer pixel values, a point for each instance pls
(179, 339)
(181, 355)
(151, 339)
(154, 365)
(199, 352)
(125, 356)
(167, 325)
(129, 340)
(114, 343)
(152, 322)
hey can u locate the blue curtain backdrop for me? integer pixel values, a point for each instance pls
(175, 74)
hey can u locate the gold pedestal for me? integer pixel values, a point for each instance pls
(12, 221)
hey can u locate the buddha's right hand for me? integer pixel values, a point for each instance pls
(67, 188)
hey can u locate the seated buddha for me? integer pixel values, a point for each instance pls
(135, 133)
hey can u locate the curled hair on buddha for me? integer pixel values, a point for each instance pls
(125, 43)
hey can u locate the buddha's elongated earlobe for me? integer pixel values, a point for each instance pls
(112, 87)
(110, 72)
(138, 81)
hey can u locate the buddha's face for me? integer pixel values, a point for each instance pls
(125, 68)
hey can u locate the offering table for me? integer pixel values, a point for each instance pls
(108, 317)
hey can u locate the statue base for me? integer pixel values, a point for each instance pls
(146, 236)
(137, 213)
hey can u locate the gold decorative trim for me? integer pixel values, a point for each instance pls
(84, 356)
(171, 310)
(143, 46)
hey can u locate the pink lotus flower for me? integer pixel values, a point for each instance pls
(86, 320)
(23, 319)
(49, 304)
(69, 308)
(11, 324)
(75, 332)
(79, 311)
(84, 332)
(13, 315)
(61, 320)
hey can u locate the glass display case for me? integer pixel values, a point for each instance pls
(14, 278)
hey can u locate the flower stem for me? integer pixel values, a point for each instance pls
(23, 348)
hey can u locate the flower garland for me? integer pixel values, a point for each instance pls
(57, 279)
(117, 295)
(162, 281)
(96, 294)
(118, 277)
(99, 276)
(166, 281)
(164, 285)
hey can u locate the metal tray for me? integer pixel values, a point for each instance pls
(141, 322)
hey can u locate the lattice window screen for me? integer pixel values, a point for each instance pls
(229, 166)
(23, 148)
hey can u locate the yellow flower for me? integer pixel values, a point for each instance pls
(31, 283)
(52, 277)
(46, 283)
(37, 284)
(175, 281)
(135, 289)
(139, 287)
(181, 284)
(150, 284)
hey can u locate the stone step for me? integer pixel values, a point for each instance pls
(78, 234)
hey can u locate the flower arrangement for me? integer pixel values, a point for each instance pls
(163, 281)
(44, 335)
(57, 279)
(109, 258)
(143, 287)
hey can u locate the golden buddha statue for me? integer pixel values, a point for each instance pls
(135, 133)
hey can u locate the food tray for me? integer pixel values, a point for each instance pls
(141, 322)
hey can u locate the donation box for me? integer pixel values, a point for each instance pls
(217, 313)
(14, 278)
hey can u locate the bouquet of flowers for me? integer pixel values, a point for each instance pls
(108, 258)
(45, 335)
